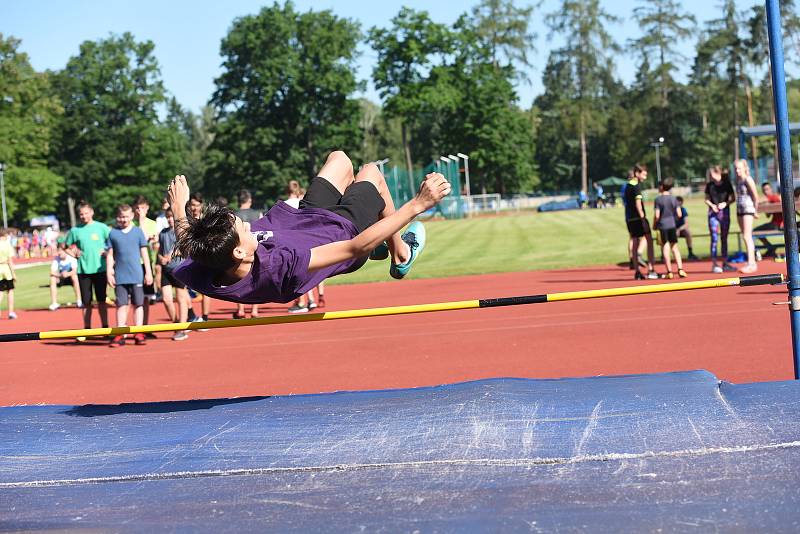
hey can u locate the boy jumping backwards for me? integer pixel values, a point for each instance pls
(342, 220)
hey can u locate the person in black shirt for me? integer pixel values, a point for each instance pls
(719, 196)
(636, 220)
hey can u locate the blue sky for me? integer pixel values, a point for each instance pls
(187, 33)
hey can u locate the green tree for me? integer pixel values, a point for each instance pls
(505, 29)
(406, 53)
(476, 106)
(28, 113)
(663, 26)
(110, 145)
(583, 24)
(284, 99)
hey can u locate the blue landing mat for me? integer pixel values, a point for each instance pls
(676, 451)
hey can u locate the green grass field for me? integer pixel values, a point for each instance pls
(518, 242)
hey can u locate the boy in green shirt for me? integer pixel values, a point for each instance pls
(90, 239)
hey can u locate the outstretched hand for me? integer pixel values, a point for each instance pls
(432, 190)
(178, 195)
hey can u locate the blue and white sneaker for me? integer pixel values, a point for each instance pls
(414, 237)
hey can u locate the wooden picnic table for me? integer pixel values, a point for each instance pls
(774, 207)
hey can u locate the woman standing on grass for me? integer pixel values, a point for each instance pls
(746, 202)
(719, 196)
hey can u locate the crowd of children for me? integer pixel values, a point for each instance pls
(671, 220)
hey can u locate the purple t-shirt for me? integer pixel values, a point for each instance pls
(280, 268)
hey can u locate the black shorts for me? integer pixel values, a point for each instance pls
(669, 235)
(168, 279)
(96, 281)
(638, 227)
(6, 285)
(133, 293)
(361, 203)
(64, 282)
(148, 289)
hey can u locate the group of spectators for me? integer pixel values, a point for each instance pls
(136, 258)
(670, 219)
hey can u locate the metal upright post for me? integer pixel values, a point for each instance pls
(3, 195)
(785, 165)
(466, 169)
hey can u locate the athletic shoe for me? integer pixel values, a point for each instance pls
(381, 252)
(296, 308)
(12, 315)
(54, 306)
(80, 339)
(236, 315)
(79, 304)
(652, 275)
(717, 269)
(180, 336)
(682, 273)
(415, 239)
(638, 275)
(669, 275)
(311, 305)
(321, 303)
(118, 341)
(140, 339)
(692, 257)
(758, 255)
(199, 319)
(149, 335)
(727, 267)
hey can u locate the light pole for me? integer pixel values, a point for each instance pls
(381, 163)
(446, 165)
(3, 195)
(458, 177)
(657, 145)
(466, 169)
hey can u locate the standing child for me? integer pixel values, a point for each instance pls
(666, 213)
(746, 202)
(719, 197)
(683, 227)
(636, 220)
(127, 252)
(169, 260)
(7, 274)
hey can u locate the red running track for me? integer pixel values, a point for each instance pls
(735, 333)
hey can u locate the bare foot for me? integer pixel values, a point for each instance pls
(749, 268)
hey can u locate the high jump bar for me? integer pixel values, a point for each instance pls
(767, 279)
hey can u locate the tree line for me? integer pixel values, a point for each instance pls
(104, 128)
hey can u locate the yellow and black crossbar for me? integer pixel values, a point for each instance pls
(768, 279)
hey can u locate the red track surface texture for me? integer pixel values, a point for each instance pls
(735, 333)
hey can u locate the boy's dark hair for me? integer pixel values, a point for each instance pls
(123, 207)
(765, 184)
(83, 204)
(220, 200)
(138, 201)
(679, 199)
(244, 196)
(638, 168)
(210, 239)
(667, 183)
(197, 196)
